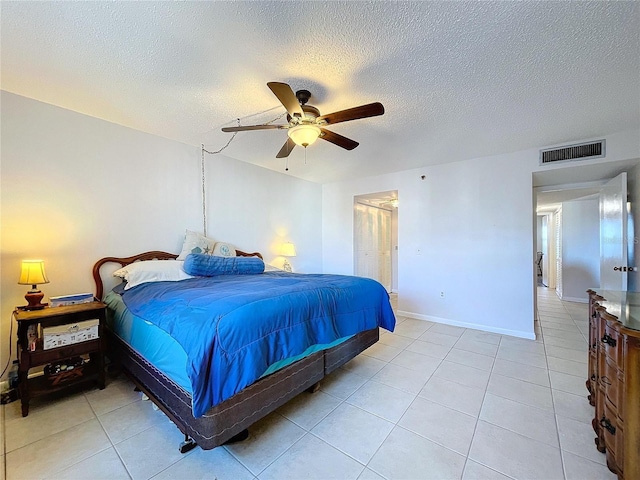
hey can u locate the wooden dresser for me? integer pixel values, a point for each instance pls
(614, 378)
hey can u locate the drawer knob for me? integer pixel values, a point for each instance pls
(608, 340)
(605, 423)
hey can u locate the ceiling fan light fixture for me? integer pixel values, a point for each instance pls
(304, 135)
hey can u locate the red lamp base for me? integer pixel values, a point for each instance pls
(33, 298)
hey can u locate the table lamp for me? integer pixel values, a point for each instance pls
(287, 250)
(33, 274)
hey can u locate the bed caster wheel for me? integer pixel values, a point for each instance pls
(188, 444)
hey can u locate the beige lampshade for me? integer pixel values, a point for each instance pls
(288, 250)
(304, 135)
(33, 273)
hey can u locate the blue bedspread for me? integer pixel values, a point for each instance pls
(233, 327)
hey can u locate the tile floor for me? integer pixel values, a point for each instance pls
(430, 401)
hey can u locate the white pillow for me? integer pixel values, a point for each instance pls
(271, 268)
(196, 243)
(152, 271)
(222, 249)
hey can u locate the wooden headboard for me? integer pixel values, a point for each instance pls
(155, 255)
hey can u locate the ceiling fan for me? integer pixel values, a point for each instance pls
(305, 124)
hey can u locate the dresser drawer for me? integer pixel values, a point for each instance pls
(610, 343)
(612, 432)
(610, 381)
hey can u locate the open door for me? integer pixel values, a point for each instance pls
(613, 234)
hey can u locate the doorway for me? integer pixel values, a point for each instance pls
(577, 187)
(375, 237)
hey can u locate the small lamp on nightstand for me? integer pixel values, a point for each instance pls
(33, 274)
(287, 250)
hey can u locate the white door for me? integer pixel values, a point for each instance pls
(545, 250)
(613, 234)
(373, 243)
(558, 252)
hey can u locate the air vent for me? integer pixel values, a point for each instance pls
(581, 151)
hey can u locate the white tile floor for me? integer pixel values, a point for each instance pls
(430, 401)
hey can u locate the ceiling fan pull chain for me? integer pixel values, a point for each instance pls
(286, 164)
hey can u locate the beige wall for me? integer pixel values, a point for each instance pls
(75, 188)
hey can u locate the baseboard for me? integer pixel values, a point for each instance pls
(475, 326)
(574, 299)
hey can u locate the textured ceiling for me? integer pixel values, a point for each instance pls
(458, 79)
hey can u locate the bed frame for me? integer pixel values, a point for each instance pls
(229, 420)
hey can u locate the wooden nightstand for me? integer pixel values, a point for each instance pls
(28, 358)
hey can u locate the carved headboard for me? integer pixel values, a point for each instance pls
(154, 255)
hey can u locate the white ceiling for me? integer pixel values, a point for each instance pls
(458, 79)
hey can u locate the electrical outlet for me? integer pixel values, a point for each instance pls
(442, 294)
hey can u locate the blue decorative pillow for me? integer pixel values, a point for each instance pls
(202, 265)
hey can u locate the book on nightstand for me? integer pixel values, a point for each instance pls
(65, 300)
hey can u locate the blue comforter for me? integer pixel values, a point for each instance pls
(233, 327)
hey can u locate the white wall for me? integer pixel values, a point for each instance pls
(459, 233)
(465, 230)
(75, 188)
(259, 209)
(580, 248)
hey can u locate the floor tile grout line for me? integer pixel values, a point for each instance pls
(46, 436)
(115, 449)
(475, 427)
(62, 431)
(109, 438)
(553, 403)
(558, 425)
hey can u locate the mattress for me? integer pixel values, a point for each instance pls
(149, 341)
(163, 352)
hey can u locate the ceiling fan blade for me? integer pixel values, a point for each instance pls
(286, 97)
(286, 148)
(363, 111)
(338, 140)
(252, 127)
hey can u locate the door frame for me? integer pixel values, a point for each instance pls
(546, 179)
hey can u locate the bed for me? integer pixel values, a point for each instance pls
(229, 414)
